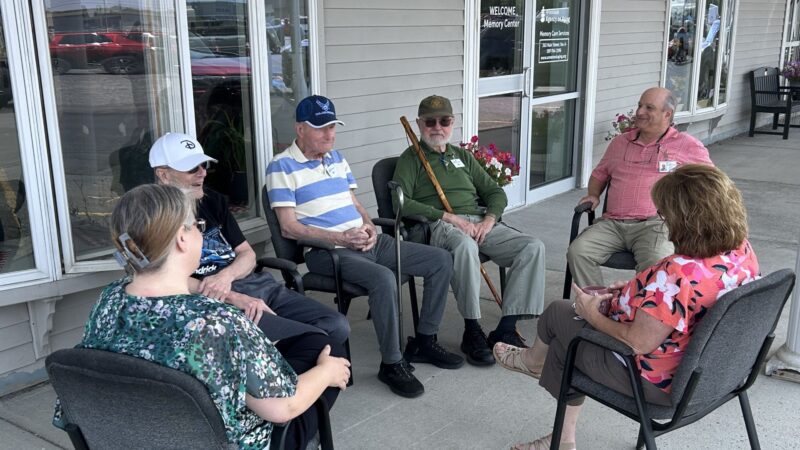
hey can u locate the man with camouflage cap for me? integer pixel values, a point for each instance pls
(473, 228)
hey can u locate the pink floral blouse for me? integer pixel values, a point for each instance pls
(678, 291)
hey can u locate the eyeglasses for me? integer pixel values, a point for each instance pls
(200, 224)
(204, 165)
(443, 121)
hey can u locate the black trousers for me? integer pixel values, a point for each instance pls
(302, 352)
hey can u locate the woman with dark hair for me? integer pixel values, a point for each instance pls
(153, 315)
(656, 312)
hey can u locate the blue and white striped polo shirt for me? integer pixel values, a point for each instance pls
(319, 191)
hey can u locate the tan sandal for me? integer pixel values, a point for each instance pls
(543, 443)
(510, 357)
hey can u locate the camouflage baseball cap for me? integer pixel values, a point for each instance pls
(434, 106)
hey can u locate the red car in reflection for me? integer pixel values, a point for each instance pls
(116, 52)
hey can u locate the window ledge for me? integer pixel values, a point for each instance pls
(687, 119)
(70, 284)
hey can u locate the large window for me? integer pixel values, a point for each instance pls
(115, 90)
(791, 36)
(16, 246)
(698, 53)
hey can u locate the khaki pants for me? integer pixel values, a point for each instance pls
(523, 255)
(648, 240)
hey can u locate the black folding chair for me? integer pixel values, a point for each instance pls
(110, 401)
(721, 362)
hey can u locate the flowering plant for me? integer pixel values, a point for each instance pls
(792, 70)
(623, 123)
(501, 166)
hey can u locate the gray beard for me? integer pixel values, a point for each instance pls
(435, 142)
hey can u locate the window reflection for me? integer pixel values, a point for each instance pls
(709, 46)
(289, 69)
(552, 142)
(110, 71)
(502, 26)
(16, 247)
(680, 51)
(498, 122)
(221, 85)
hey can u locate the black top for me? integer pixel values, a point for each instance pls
(222, 234)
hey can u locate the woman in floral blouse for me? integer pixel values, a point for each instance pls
(154, 316)
(655, 312)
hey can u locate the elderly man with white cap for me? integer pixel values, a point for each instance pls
(312, 191)
(227, 260)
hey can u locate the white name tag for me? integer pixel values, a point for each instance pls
(667, 166)
(457, 163)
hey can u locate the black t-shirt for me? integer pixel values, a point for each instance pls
(222, 234)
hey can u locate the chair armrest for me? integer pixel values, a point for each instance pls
(275, 263)
(384, 222)
(605, 341)
(417, 218)
(291, 276)
(583, 207)
(316, 243)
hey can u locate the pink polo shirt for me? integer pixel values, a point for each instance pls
(631, 170)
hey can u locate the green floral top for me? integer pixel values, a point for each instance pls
(210, 340)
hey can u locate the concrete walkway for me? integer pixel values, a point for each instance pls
(490, 408)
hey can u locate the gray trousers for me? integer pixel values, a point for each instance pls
(296, 314)
(556, 328)
(648, 240)
(374, 271)
(523, 255)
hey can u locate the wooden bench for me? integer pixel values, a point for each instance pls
(768, 96)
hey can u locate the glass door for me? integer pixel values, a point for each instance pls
(555, 98)
(504, 70)
(528, 93)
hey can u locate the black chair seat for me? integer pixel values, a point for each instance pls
(621, 260)
(324, 283)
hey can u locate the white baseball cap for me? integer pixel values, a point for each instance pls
(178, 151)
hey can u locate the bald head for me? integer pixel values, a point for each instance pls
(655, 112)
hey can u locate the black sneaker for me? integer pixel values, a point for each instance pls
(509, 337)
(432, 353)
(400, 379)
(477, 349)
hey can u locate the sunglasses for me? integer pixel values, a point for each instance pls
(443, 121)
(200, 224)
(204, 165)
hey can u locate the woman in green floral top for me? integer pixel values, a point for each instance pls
(154, 316)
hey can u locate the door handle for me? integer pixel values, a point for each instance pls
(526, 82)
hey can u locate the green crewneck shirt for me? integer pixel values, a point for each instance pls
(462, 178)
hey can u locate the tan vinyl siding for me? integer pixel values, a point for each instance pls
(381, 59)
(630, 60)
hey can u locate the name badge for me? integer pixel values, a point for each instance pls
(667, 166)
(457, 163)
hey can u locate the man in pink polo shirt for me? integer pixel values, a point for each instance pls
(633, 162)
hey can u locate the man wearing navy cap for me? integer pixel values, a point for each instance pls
(311, 189)
(227, 259)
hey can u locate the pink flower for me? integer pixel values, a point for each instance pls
(474, 139)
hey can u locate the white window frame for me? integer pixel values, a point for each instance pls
(30, 131)
(694, 112)
(787, 31)
(71, 265)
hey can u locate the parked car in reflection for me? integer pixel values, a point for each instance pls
(114, 51)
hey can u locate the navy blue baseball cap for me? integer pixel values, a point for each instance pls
(317, 111)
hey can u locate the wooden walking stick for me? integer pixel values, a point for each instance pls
(418, 150)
